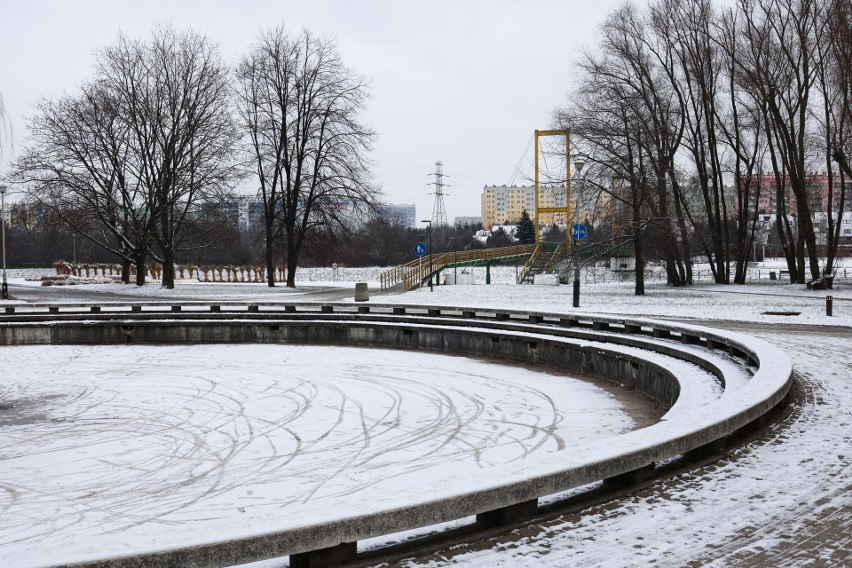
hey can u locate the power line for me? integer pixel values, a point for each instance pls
(520, 161)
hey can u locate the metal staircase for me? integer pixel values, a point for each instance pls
(542, 261)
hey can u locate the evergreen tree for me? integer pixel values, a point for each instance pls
(526, 229)
(499, 238)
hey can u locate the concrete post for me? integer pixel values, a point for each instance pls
(361, 292)
(334, 556)
(508, 515)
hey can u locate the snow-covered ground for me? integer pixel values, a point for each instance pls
(702, 301)
(116, 447)
(783, 501)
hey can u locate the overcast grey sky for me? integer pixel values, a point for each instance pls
(465, 82)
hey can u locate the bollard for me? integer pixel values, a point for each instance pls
(361, 293)
(829, 306)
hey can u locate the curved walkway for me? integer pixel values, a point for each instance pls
(784, 499)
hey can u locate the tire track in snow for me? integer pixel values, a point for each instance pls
(174, 437)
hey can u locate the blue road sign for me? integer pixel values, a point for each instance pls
(578, 231)
(420, 249)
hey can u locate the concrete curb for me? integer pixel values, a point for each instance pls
(537, 337)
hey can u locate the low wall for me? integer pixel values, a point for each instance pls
(524, 337)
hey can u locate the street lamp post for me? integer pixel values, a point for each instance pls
(579, 165)
(431, 289)
(3, 188)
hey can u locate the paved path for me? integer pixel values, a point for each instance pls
(784, 500)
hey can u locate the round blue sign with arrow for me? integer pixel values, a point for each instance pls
(578, 231)
(420, 249)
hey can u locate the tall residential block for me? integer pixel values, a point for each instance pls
(502, 204)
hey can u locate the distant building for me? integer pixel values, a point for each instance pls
(242, 211)
(821, 227)
(26, 216)
(467, 221)
(247, 211)
(403, 214)
(503, 204)
(816, 188)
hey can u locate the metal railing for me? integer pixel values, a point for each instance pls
(555, 250)
(415, 272)
(529, 264)
(561, 250)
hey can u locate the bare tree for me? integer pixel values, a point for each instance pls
(779, 62)
(684, 28)
(173, 92)
(835, 80)
(740, 129)
(80, 166)
(264, 95)
(645, 68)
(679, 98)
(126, 161)
(299, 107)
(632, 118)
(839, 17)
(606, 128)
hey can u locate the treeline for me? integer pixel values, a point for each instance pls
(684, 99)
(36, 238)
(127, 162)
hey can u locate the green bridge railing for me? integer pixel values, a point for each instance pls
(414, 273)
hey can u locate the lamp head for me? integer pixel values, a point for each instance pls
(579, 165)
(3, 188)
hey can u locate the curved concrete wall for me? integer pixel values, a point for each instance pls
(512, 335)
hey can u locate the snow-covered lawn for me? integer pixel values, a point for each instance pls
(748, 303)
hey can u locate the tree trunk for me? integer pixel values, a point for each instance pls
(270, 254)
(292, 256)
(800, 254)
(140, 268)
(686, 247)
(168, 269)
(291, 271)
(638, 252)
(639, 270)
(125, 270)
